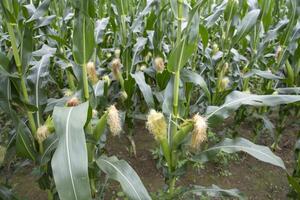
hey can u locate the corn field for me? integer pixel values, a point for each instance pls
(82, 79)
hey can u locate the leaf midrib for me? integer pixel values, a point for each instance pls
(233, 102)
(122, 176)
(36, 91)
(243, 147)
(68, 153)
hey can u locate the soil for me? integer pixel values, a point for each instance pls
(257, 180)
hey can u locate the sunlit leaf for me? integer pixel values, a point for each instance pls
(122, 172)
(259, 152)
(69, 162)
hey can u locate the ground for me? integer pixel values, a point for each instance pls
(255, 179)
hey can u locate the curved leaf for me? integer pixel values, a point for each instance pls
(246, 25)
(138, 47)
(25, 142)
(263, 74)
(122, 172)
(235, 99)
(192, 77)
(83, 39)
(214, 191)
(38, 74)
(100, 27)
(6, 98)
(69, 162)
(217, 12)
(7, 193)
(145, 89)
(180, 55)
(290, 90)
(261, 153)
(40, 11)
(49, 145)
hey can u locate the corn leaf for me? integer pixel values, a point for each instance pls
(259, 152)
(69, 162)
(246, 25)
(122, 172)
(236, 99)
(83, 38)
(144, 88)
(214, 191)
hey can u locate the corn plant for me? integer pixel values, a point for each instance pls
(73, 71)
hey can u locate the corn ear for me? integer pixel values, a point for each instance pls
(290, 74)
(100, 127)
(181, 134)
(166, 151)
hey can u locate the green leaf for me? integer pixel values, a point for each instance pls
(6, 98)
(100, 29)
(137, 25)
(8, 12)
(6, 193)
(263, 74)
(294, 183)
(40, 11)
(246, 25)
(25, 142)
(214, 17)
(86, 7)
(214, 191)
(290, 90)
(144, 88)
(138, 47)
(4, 61)
(267, 7)
(185, 8)
(83, 39)
(99, 88)
(193, 77)
(235, 99)
(49, 145)
(122, 7)
(204, 35)
(27, 47)
(180, 55)
(122, 172)
(38, 80)
(259, 152)
(69, 162)
(44, 21)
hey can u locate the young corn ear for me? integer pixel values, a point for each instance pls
(45, 130)
(106, 79)
(115, 67)
(42, 133)
(290, 75)
(215, 49)
(91, 71)
(156, 124)
(159, 64)
(224, 83)
(182, 132)
(114, 121)
(117, 53)
(100, 126)
(199, 132)
(278, 54)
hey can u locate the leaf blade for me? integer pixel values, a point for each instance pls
(69, 162)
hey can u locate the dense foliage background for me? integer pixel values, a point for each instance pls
(73, 71)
